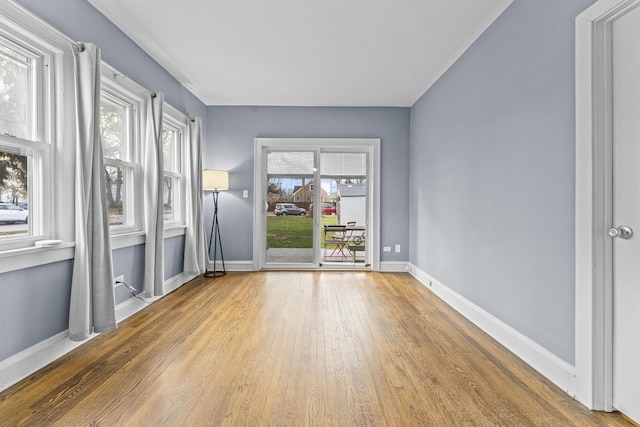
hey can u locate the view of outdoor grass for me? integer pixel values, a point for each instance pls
(293, 231)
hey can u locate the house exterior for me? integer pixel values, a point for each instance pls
(304, 193)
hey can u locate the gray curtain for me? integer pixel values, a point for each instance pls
(92, 307)
(154, 213)
(194, 244)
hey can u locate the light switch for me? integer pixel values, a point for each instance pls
(245, 194)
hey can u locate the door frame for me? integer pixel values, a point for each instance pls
(593, 204)
(369, 145)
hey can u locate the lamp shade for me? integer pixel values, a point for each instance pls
(215, 180)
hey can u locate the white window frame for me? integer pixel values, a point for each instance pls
(25, 34)
(178, 122)
(120, 90)
(57, 128)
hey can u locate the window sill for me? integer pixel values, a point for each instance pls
(124, 240)
(18, 259)
(174, 231)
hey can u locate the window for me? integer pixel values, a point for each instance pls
(25, 138)
(17, 68)
(174, 130)
(119, 130)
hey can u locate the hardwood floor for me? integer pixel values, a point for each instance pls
(294, 349)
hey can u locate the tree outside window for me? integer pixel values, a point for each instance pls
(17, 129)
(171, 145)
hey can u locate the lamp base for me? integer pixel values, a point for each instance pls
(211, 274)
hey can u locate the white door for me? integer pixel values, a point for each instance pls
(626, 212)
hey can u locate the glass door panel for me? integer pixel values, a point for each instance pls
(343, 224)
(290, 193)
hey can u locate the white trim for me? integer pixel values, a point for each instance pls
(395, 266)
(125, 240)
(126, 93)
(57, 128)
(593, 203)
(36, 40)
(542, 360)
(129, 307)
(23, 364)
(19, 259)
(176, 281)
(176, 121)
(260, 205)
(174, 231)
(30, 360)
(235, 265)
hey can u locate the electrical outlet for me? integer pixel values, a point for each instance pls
(397, 248)
(387, 248)
(118, 279)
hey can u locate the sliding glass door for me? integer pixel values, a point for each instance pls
(344, 214)
(288, 218)
(316, 204)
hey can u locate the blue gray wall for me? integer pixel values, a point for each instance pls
(34, 303)
(230, 143)
(492, 173)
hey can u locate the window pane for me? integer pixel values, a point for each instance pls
(169, 138)
(14, 196)
(115, 180)
(168, 198)
(112, 128)
(15, 93)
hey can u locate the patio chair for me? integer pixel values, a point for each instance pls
(336, 235)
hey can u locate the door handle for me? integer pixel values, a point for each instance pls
(623, 232)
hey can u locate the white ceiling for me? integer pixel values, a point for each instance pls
(303, 53)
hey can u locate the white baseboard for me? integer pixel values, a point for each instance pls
(23, 364)
(176, 281)
(28, 361)
(385, 266)
(239, 265)
(542, 360)
(394, 266)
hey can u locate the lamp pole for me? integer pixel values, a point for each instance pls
(215, 238)
(215, 180)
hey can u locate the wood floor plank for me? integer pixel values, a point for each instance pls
(294, 349)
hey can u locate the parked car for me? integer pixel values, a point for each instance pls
(288, 209)
(11, 213)
(327, 209)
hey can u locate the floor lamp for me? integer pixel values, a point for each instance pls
(215, 181)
